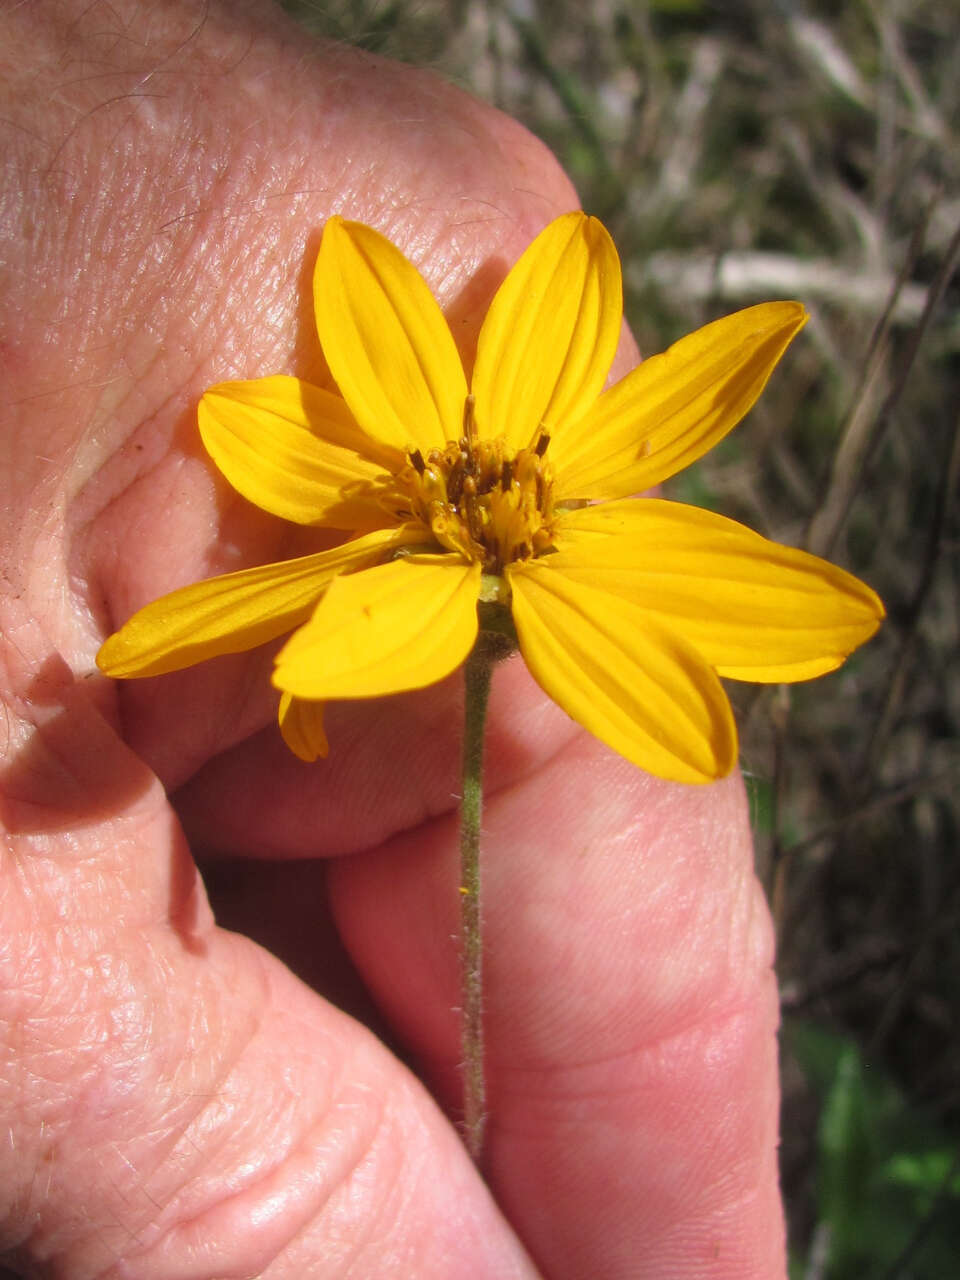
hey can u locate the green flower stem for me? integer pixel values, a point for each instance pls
(477, 674)
(495, 640)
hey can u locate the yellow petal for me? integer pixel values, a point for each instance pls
(386, 341)
(301, 724)
(398, 626)
(550, 335)
(754, 609)
(295, 450)
(634, 684)
(236, 611)
(675, 406)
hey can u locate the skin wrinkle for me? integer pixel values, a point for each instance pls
(251, 1203)
(240, 1205)
(668, 1059)
(176, 1128)
(691, 987)
(605, 1077)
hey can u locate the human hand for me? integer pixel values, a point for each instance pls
(178, 1103)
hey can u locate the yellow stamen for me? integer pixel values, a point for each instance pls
(477, 500)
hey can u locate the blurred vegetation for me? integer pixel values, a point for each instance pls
(762, 149)
(888, 1193)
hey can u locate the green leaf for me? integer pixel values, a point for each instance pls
(888, 1174)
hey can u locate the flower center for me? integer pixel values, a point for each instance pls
(478, 501)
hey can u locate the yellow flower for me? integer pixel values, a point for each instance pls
(511, 492)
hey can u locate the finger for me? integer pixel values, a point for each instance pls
(393, 763)
(178, 1104)
(630, 1012)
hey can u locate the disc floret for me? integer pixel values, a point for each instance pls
(478, 500)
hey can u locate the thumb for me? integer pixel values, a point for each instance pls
(179, 1104)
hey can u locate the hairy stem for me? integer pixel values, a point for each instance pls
(477, 674)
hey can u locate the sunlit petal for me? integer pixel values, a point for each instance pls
(398, 626)
(627, 679)
(236, 611)
(301, 724)
(675, 406)
(756, 610)
(386, 341)
(550, 335)
(296, 451)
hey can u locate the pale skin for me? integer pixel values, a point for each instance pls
(175, 1102)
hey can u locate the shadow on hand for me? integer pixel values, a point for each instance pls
(65, 767)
